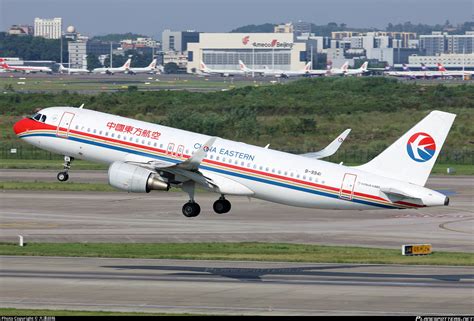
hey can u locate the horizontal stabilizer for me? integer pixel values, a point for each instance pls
(395, 195)
(330, 149)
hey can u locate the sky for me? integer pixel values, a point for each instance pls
(151, 17)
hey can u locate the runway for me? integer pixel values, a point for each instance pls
(50, 216)
(220, 287)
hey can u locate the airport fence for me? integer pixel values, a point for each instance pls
(356, 156)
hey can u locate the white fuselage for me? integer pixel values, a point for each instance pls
(270, 175)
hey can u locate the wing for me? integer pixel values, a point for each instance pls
(330, 149)
(189, 170)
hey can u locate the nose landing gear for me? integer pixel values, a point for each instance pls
(64, 176)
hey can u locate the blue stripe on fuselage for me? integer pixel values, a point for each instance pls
(217, 170)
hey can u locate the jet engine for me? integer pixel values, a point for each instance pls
(135, 179)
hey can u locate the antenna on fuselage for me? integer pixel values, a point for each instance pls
(80, 107)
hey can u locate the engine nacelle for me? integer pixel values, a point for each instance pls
(135, 179)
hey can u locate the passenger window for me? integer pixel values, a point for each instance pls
(118, 136)
(77, 126)
(95, 130)
(161, 145)
(113, 135)
(88, 130)
(106, 133)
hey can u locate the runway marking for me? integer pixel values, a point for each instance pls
(443, 226)
(28, 225)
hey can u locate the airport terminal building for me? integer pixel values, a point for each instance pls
(256, 50)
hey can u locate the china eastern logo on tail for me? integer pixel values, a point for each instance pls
(421, 147)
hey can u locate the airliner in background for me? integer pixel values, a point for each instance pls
(68, 70)
(358, 71)
(275, 72)
(111, 71)
(144, 156)
(23, 68)
(152, 68)
(204, 69)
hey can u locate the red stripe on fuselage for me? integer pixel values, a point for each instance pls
(30, 124)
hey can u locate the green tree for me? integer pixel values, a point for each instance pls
(93, 62)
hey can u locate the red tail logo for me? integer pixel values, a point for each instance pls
(274, 42)
(245, 40)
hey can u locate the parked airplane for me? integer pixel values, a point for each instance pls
(454, 73)
(152, 68)
(143, 156)
(338, 71)
(222, 72)
(65, 70)
(359, 71)
(111, 71)
(23, 68)
(276, 72)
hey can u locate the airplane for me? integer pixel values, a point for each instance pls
(24, 69)
(359, 71)
(144, 156)
(454, 73)
(222, 72)
(338, 71)
(111, 71)
(276, 72)
(150, 69)
(63, 69)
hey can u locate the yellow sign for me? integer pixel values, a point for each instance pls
(417, 249)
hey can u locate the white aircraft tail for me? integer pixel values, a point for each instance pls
(345, 66)
(307, 67)
(364, 66)
(204, 67)
(243, 67)
(413, 155)
(126, 65)
(152, 65)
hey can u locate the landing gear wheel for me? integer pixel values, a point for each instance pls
(63, 176)
(191, 209)
(221, 206)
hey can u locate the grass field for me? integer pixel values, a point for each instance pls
(43, 313)
(280, 252)
(19, 82)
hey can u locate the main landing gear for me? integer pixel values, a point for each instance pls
(221, 206)
(64, 176)
(192, 209)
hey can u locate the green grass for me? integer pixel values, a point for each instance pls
(55, 164)
(251, 251)
(72, 83)
(56, 186)
(43, 313)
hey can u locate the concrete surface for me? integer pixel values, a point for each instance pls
(156, 217)
(234, 287)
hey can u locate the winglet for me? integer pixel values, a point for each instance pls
(330, 149)
(195, 160)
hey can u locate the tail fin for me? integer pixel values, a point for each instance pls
(413, 155)
(364, 66)
(307, 67)
(405, 67)
(441, 67)
(345, 66)
(203, 66)
(152, 64)
(126, 65)
(243, 67)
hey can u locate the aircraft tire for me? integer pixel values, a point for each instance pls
(191, 209)
(62, 176)
(221, 206)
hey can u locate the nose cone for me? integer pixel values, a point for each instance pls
(21, 126)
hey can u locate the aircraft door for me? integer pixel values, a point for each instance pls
(347, 186)
(64, 124)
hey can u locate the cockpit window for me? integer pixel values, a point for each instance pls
(39, 117)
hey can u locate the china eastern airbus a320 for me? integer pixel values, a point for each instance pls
(143, 156)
